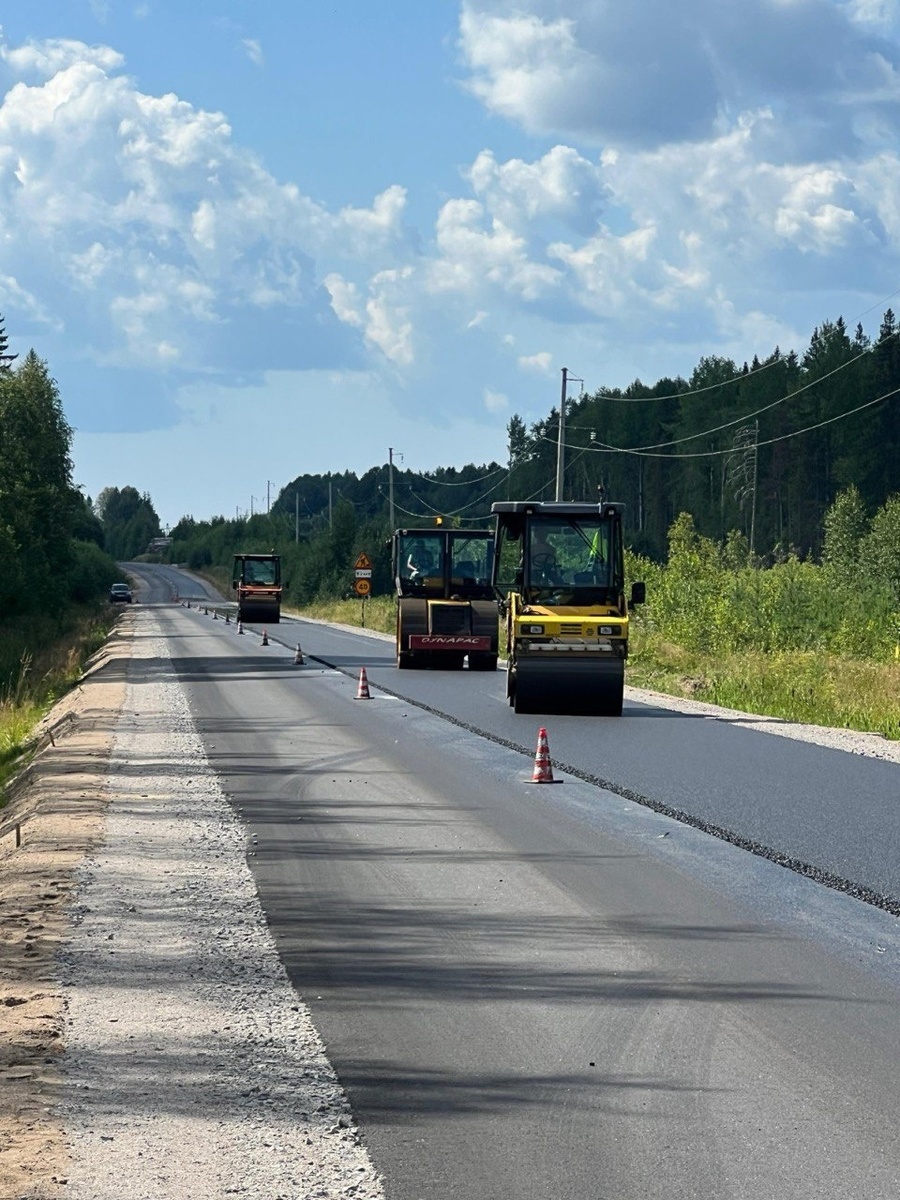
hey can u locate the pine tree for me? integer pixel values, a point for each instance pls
(5, 359)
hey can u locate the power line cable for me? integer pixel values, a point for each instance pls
(457, 483)
(463, 508)
(747, 416)
(604, 448)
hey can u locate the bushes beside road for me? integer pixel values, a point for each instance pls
(813, 642)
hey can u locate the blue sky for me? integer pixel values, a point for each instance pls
(254, 240)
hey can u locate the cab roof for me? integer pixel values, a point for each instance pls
(557, 508)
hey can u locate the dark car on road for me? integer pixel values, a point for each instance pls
(120, 593)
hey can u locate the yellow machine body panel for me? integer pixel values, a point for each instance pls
(562, 568)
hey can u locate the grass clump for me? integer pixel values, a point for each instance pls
(814, 687)
(41, 658)
(378, 613)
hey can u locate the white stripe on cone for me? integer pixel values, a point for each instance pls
(543, 770)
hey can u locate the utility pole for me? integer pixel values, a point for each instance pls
(268, 496)
(561, 443)
(755, 481)
(391, 486)
(561, 440)
(742, 470)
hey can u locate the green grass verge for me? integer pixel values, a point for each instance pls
(41, 659)
(379, 613)
(807, 686)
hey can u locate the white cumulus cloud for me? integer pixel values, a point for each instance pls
(47, 58)
(140, 217)
(536, 362)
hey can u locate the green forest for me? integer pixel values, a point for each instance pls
(50, 539)
(758, 452)
(57, 562)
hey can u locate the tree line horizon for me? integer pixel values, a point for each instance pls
(763, 448)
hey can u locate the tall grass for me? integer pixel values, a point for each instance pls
(378, 612)
(796, 640)
(811, 686)
(40, 659)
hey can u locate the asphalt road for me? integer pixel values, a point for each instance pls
(554, 991)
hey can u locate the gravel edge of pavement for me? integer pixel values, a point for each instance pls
(181, 1061)
(192, 1067)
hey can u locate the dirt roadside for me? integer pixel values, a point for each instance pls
(59, 801)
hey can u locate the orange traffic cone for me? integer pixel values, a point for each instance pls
(362, 692)
(543, 771)
(215, 614)
(265, 640)
(298, 657)
(240, 626)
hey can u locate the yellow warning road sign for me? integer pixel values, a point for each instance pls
(362, 563)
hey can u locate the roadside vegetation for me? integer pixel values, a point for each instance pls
(811, 642)
(56, 572)
(42, 659)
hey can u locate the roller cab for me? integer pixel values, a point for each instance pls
(447, 610)
(256, 580)
(560, 568)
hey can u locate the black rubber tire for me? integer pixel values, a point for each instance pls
(526, 699)
(405, 661)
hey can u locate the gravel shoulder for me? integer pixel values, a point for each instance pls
(153, 1046)
(60, 802)
(150, 1043)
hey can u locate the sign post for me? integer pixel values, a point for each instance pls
(362, 583)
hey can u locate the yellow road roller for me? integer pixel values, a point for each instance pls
(560, 568)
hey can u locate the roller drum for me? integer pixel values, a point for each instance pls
(259, 612)
(569, 684)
